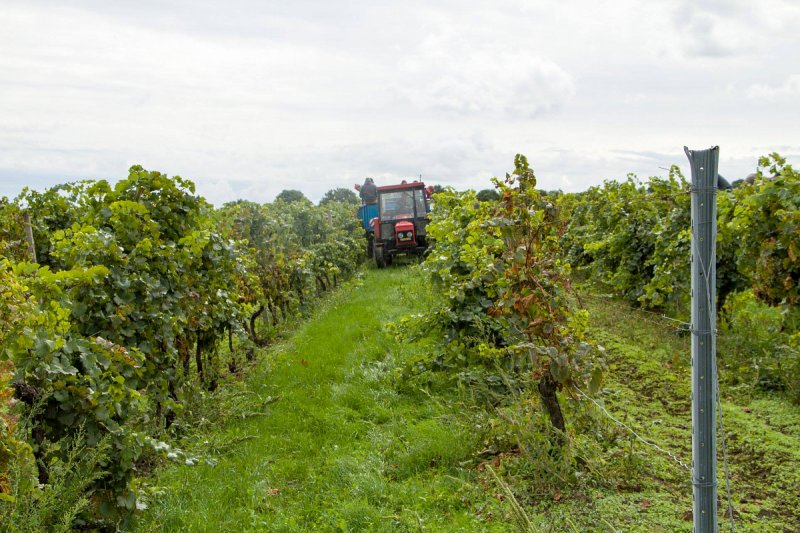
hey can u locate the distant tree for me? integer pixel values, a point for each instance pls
(488, 195)
(437, 189)
(291, 195)
(341, 195)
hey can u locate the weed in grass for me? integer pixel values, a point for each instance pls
(59, 505)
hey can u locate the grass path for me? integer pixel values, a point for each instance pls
(341, 450)
(349, 446)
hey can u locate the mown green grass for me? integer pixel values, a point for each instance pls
(342, 449)
(649, 389)
(607, 480)
(351, 445)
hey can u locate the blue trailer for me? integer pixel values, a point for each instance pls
(367, 213)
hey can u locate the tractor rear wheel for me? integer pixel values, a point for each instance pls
(380, 258)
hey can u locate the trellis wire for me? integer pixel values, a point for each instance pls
(633, 432)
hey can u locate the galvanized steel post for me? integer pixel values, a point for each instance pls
(704, 350)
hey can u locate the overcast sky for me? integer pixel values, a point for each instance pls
(247, 98)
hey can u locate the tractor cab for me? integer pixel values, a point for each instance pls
(394, 218)
(400, 225)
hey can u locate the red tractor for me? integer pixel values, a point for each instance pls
(396, 223)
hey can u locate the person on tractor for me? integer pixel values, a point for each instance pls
(368, 192)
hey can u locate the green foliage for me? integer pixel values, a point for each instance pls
(167, 282)
(730, 278)
(635, 240)
(15, 316)
(76, 386)
(506, 287)
(137, 285)
(293, 251)
(633, 237)
(12, 237)
(54, 209)
(17, 466)
(766, 221)
(342, 195)
(755, 346)
(487, 195)
(291, 195)
(74, 468)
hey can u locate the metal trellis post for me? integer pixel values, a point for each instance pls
(704, 165)
(26, 219)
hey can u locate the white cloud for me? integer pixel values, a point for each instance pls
(725, 28)
(254, 97)
(790, 88)
(711, 33)
(455, 72)
(217, 192)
